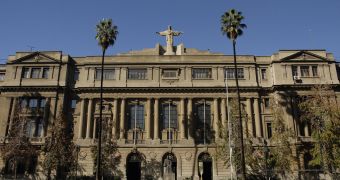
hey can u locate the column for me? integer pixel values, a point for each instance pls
(257, 118)
(250, 118)
(156, 119)
(114, 118)
(224, 114)
(190, 121)
(94, 135)
(122, 119)
(81, 119)
(182, 120)
(148, 119)
(216, 119)
(14, 108)
(89, 118)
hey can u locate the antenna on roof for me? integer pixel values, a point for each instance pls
(31, 47)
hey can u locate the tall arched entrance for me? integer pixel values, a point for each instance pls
(169, 162)
(205, 166)
(133, 166)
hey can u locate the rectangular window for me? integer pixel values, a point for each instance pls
(25, 72)
(264, 74)
(266, 102)
(2, 76)
(201, 73)
(40, 127)
(35, 73)
(304, 71)
(76, 75)
(23, 103)
(169, 113)
(295, 71)
(169, 73)
(45, 73)
(315, 71)
(203, 116)
(30, 128)
(42, 103)
(73, 103)
(108, 74)
(230, 73)
(136, 116)
(138, 74)
(269, 130)
(33, 103)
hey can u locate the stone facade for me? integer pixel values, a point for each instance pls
(146, 88)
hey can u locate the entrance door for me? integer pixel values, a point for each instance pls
(133, 167)
(205, 166)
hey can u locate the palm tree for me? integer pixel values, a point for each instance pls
(106, 36)
(231, 25)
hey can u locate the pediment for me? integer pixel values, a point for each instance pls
(304, 56)
(35, 57)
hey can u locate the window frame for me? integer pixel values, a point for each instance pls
(171, 71)
(139, 74)
(231, 74)
(106, 70)
(201, 75)
(140, 116)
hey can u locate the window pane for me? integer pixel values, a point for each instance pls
(30, 128)
(73, 103)
(25, 73)
(137, 74)
(266, 102)
(23, 103)
(40, 127)
(2, 76)
(33, 103)
(264, 74)
(294, 71)
(169, 73)
(76, 75)
(109, 74)
(315, 71)
(35, 73)
(230, 72)
(45, 73)
(173, 116)
(42, 103)
(136, 114)
(304, 71)
(201, 73)
(269, 130)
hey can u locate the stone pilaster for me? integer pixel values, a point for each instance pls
(122, 119)
(216, 119)
(224, 113)
(257, 118)
(81, 118)
(250, 118)
(156, 120)
(115, 118)
(148, 119)
(89, 118)
(190, 120)
(182, 120)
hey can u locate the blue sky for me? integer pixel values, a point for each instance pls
(69, 25)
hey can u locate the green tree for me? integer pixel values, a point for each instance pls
(59, 149)
(262, 160)
(231, 26)
(322, 112)
(106, 35)
(110, 156)
(17, 149)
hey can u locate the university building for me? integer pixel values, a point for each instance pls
(163, 107)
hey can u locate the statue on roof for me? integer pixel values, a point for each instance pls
(169, 34)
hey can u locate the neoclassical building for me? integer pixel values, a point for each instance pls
(167, 108)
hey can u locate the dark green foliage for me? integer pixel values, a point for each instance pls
(59, 149)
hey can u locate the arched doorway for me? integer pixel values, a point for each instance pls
(205, 166)
(133, 166)
(169, 162)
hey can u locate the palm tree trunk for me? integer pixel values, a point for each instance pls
(99, 146)
(243, 167)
